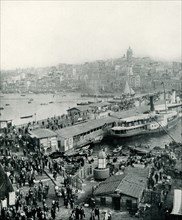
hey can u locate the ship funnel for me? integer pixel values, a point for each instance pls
(173, 99)
(152, 103)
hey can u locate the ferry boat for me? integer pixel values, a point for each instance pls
(145, 124)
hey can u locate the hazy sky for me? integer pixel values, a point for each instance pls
(42, 33)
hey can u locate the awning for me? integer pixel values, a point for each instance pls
(177, 203)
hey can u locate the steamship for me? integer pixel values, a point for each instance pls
(153, 122)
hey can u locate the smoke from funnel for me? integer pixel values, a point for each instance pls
(152, 104)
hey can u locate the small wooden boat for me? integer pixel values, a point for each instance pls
(29, 102)
(22, 95)
(28, 116)
(139, 150)
(82, 103)
(125, 152)
(51, 102)
(1, 108)
(7, 104)
(117, 150)
(43, 103)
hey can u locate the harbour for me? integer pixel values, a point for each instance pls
(91, 110)
(81, 143)
(60, 104)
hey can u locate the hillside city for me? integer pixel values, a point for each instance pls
(101, 76)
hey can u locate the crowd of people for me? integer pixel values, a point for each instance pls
(24, 211)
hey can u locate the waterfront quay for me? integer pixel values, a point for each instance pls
(141, 183)
(52, 173)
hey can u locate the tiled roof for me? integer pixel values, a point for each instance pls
(42, 133)
(137, 171)
(109, 186)
(132, 186)
(132, 183)
(81, 108)
(84, 127)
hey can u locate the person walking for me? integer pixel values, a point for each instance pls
(82, 213)
(77, 213)
(53, 213)
(97, 212)
(92, 214)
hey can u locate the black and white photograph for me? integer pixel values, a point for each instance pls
(90, 110)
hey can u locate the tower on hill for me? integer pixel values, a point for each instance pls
(129, 54)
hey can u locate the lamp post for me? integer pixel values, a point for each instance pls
(162, 83)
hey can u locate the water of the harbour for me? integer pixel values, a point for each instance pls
(160, 139)
(16, 105)
(19, 106)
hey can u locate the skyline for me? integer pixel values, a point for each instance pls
(45, 33)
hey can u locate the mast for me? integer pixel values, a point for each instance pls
(162, 83)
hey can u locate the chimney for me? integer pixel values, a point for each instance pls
(174, 97)
(152, 103)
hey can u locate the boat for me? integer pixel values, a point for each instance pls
(1, 108)
(28, 116)
(29, 102)
(84, 150)
(152, 122)
(83, 103)
(125, 152)
(89, 102)
(43, 103)
(117, 150)
(97, 139)
(140, 150)
(22, 95)
(145, 124)
(51, 102)
(7, 104)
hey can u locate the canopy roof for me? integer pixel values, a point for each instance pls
(42, 133)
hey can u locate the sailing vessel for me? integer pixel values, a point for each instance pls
(128, 90)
